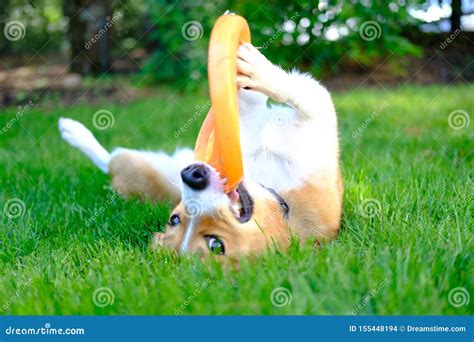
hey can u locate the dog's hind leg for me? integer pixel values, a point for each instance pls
(155, 175)
(77, 135)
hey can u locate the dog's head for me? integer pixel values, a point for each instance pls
(210, 221)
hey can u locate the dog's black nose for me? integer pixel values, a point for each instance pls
(196, 176)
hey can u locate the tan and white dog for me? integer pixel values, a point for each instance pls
(292, 182)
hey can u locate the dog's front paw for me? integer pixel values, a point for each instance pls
(257, 73)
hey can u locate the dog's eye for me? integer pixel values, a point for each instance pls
(216, 246)
(174, 220)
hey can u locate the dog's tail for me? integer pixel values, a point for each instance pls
(77, 135)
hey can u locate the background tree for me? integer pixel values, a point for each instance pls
(320, 33)
(4, 9)
(456, 13)
(76, 33)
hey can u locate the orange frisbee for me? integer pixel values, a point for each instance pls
(218, 142)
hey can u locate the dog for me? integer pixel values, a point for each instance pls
(292, 181)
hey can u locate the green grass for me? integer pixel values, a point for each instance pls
(406, 258)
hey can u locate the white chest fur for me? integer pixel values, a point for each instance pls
(280, 150)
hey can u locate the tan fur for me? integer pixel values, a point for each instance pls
(315, 212)
(264, 230)
(315, 185)
(316, 208)
(132, 175)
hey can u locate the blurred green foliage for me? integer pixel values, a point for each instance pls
(46, 23)
(322, 36)
(43, 24)
(318, 36)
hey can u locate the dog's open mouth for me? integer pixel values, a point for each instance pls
(242, 203)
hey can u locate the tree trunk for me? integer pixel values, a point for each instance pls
(104, 41)
(4, 43)
(76, 31)
(456, 15)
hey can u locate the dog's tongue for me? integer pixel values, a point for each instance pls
(234, 196)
